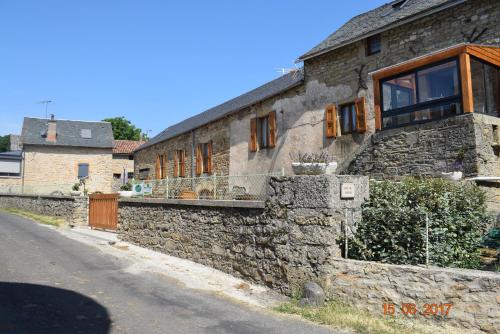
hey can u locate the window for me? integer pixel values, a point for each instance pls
(204, 153)
(144, 173)
(348, 118)
(263, 132)
(131, 157)
(161, 166)
(130, 175)
(373, 45)
(83, 171)
(180, 163)
(117, 176)
(485, 87)
(429, 93)
(10, 168)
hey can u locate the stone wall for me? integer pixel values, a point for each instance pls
(431, 148)
(52, 166)
(475, 295)
(74, 210)
(280, 244)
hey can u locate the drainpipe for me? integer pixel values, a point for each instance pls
(192, 159)
(22, 174)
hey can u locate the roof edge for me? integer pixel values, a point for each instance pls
(452, 3)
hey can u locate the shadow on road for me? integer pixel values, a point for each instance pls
(30, 308)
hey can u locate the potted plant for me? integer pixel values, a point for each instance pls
(313, 163)
(457, 167)
(75, 190)
(126, 190)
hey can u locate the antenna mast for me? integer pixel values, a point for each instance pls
(46, 102)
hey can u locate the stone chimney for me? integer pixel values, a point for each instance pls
(51, 130)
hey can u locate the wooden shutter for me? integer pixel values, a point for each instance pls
(331, 121)
(199, 159)
(361, 117)
(209, 158)
(272, 129)
(176, 164)
(253, 135)
(157, 167)
(164, 166)
(182, 167)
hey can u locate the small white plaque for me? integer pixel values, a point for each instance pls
(347, 190)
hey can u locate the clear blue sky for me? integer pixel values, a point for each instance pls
(154, 62)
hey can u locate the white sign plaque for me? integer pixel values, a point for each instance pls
(347, 190)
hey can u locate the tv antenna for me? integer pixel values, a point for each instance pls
(46, 102)
(294, 70)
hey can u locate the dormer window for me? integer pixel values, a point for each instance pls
(399, 4)
(373, 45)
(86, 133)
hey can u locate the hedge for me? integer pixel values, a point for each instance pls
(392, 228)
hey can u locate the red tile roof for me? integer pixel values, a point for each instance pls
(126, 146)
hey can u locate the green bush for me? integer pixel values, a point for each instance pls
(392, 228)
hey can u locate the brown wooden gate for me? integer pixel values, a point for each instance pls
(103, 211)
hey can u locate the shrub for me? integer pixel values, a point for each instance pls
(76, 187)
(392, 228)
(126, 187)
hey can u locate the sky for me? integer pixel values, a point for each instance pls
(154, 62)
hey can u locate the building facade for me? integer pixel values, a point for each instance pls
(384, 94)
(123, 162)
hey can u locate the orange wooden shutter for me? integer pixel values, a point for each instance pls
(209, 158)
(157, 167)
(199, 159)
(176, 164)
(378, 114)
(272, 129)
(182, 171)
(253, 135)
(361, 117)
(164, 169)
(331, 121)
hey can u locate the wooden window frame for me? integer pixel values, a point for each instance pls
(489, 54)
(180, 163)
(353, 128)
(257, 131)
(204, 158)
(161, 166)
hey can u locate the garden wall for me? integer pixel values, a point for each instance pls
(280, 243)
(72, 209)
(475, 295)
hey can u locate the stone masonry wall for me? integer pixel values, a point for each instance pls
(431, 148)
(475, 295)
(72, 209)
(281, 245)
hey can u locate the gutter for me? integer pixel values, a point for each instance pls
(382, 29)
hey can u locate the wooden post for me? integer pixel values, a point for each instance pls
(466, 78)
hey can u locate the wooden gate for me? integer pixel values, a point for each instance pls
(103, 211)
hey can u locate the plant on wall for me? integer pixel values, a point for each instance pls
(393, 223)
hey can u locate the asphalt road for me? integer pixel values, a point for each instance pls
(52, 284)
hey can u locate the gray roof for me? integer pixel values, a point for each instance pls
(378, 20)
(69, 133)
(263, 92)
(11, 155)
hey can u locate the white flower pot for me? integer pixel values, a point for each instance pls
(125, 193)
(314, 168)
(454, 176)
(75, 193)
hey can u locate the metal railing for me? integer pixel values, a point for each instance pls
(213, 187)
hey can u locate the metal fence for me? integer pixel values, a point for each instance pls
(37, 189)
(213, 187)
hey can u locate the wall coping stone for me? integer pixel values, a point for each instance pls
(194, 202)
(413, 268)
(39, 196)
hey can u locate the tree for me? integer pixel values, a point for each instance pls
(4, 143)
(123, 129)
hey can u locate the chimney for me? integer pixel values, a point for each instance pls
(51, 130)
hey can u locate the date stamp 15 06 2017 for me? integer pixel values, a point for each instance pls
(411, 309)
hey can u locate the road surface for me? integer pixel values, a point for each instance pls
(52, 284)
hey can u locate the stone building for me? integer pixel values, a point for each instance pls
(411, 87)
(123, 161)
(59, 153)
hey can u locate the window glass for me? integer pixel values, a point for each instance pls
(427, 114)
(264, 132)
(373, 45)
(438, 82)
(399, 92)
(485, 87)
(130, 175)
(348, 118)
(117, 176)
(205, 158)
(83, 171)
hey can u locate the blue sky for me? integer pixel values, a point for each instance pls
(154, 62)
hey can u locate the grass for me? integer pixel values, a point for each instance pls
(42, 219)
(343, 317)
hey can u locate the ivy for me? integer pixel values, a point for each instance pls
(392, 228)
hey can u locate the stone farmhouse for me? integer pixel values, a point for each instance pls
(123, 161)
(411, 87)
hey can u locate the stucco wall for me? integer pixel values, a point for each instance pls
(49, 166)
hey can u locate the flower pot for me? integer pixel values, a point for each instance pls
(453, 176)
(75, 193)
(314, 168)
(124, 193)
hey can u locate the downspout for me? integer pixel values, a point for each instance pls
(22, 174)
(192, 159)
